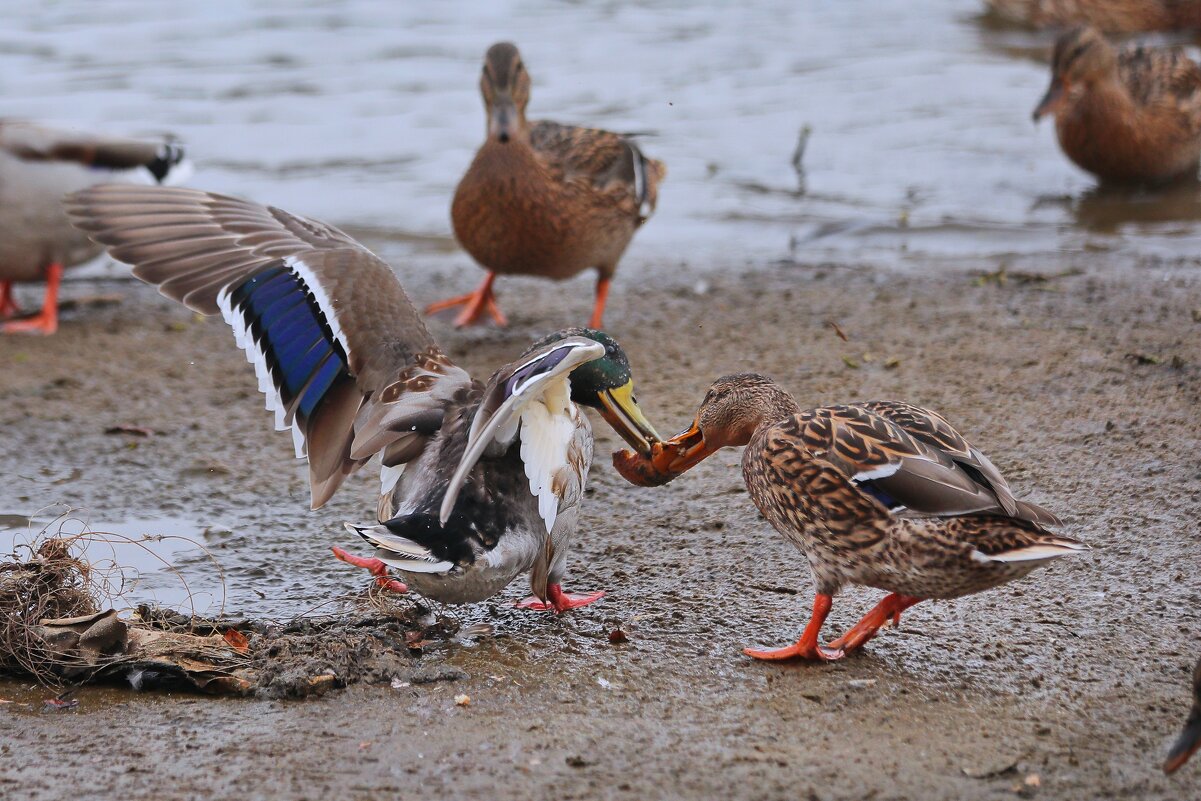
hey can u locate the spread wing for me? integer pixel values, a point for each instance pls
(908, 458)
(341, 354)
(610, 163)
(38, 143)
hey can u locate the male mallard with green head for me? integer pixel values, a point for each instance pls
(545, 199)
(480, 482)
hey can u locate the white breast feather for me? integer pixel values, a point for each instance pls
(545, 436)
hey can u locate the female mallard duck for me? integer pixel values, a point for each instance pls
(39, 165)
(1190, 737)
(480, 482)
(545, 199)
(1113, 16)
(1130, 115)
(881, 494)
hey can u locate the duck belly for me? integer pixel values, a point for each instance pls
(919, 557)
(513, 221)
(461, 586)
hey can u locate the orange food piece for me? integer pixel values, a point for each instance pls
(638, 470)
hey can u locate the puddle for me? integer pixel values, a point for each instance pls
(164, 561)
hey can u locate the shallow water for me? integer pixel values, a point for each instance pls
(365, 113)
(165, 561)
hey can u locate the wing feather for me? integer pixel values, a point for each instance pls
(341, 354)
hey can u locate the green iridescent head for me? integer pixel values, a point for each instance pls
(607, 385)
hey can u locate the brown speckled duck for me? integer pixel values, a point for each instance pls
(1112, 16)
(881, 494)
(38, 165)
(545, 199)
(1128, 115)
(1190, 736)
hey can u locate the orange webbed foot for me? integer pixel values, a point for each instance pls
(373, 566)
(559, 601)
(799, 650)
(475, 305)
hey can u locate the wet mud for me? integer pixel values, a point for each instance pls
(1081, 384)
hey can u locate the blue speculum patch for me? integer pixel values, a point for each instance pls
(288, 327)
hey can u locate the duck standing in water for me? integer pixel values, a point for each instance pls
(38, 165)
(545, 199)
(880, 494)
(1112, 16)
(1190, 737)
(1131, 115)
(480, 481)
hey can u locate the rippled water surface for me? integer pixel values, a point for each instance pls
(922, 151)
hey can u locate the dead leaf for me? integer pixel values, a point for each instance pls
(132, 430)
(849, 362)
(989, 768)
(837, 330)
(237, 641)
(891, 363)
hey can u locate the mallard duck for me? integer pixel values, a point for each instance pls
(1130, 115)
(880, 494)
(480, 481)
(545, 199)
(38, 165)
(1113, 16)
(1190, 737)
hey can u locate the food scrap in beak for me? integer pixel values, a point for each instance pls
(666, 461)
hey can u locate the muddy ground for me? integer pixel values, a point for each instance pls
(1068, 685)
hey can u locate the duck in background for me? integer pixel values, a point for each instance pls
(1111, 16)
(545, 199)
(1190, 736)
(1129, 115)
(38, 166)
(480, 482)
(880, 494)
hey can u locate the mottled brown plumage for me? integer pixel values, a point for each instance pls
(882, 494)
(38, 165)
(1111, 16)
(1128, 115)
(545, 199)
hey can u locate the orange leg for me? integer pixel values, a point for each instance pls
(598, 308)
(806, 647)
(8, 304)
(887, 611)
(474, 305)
(45, 321)
(558, 600)
(375, 566)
